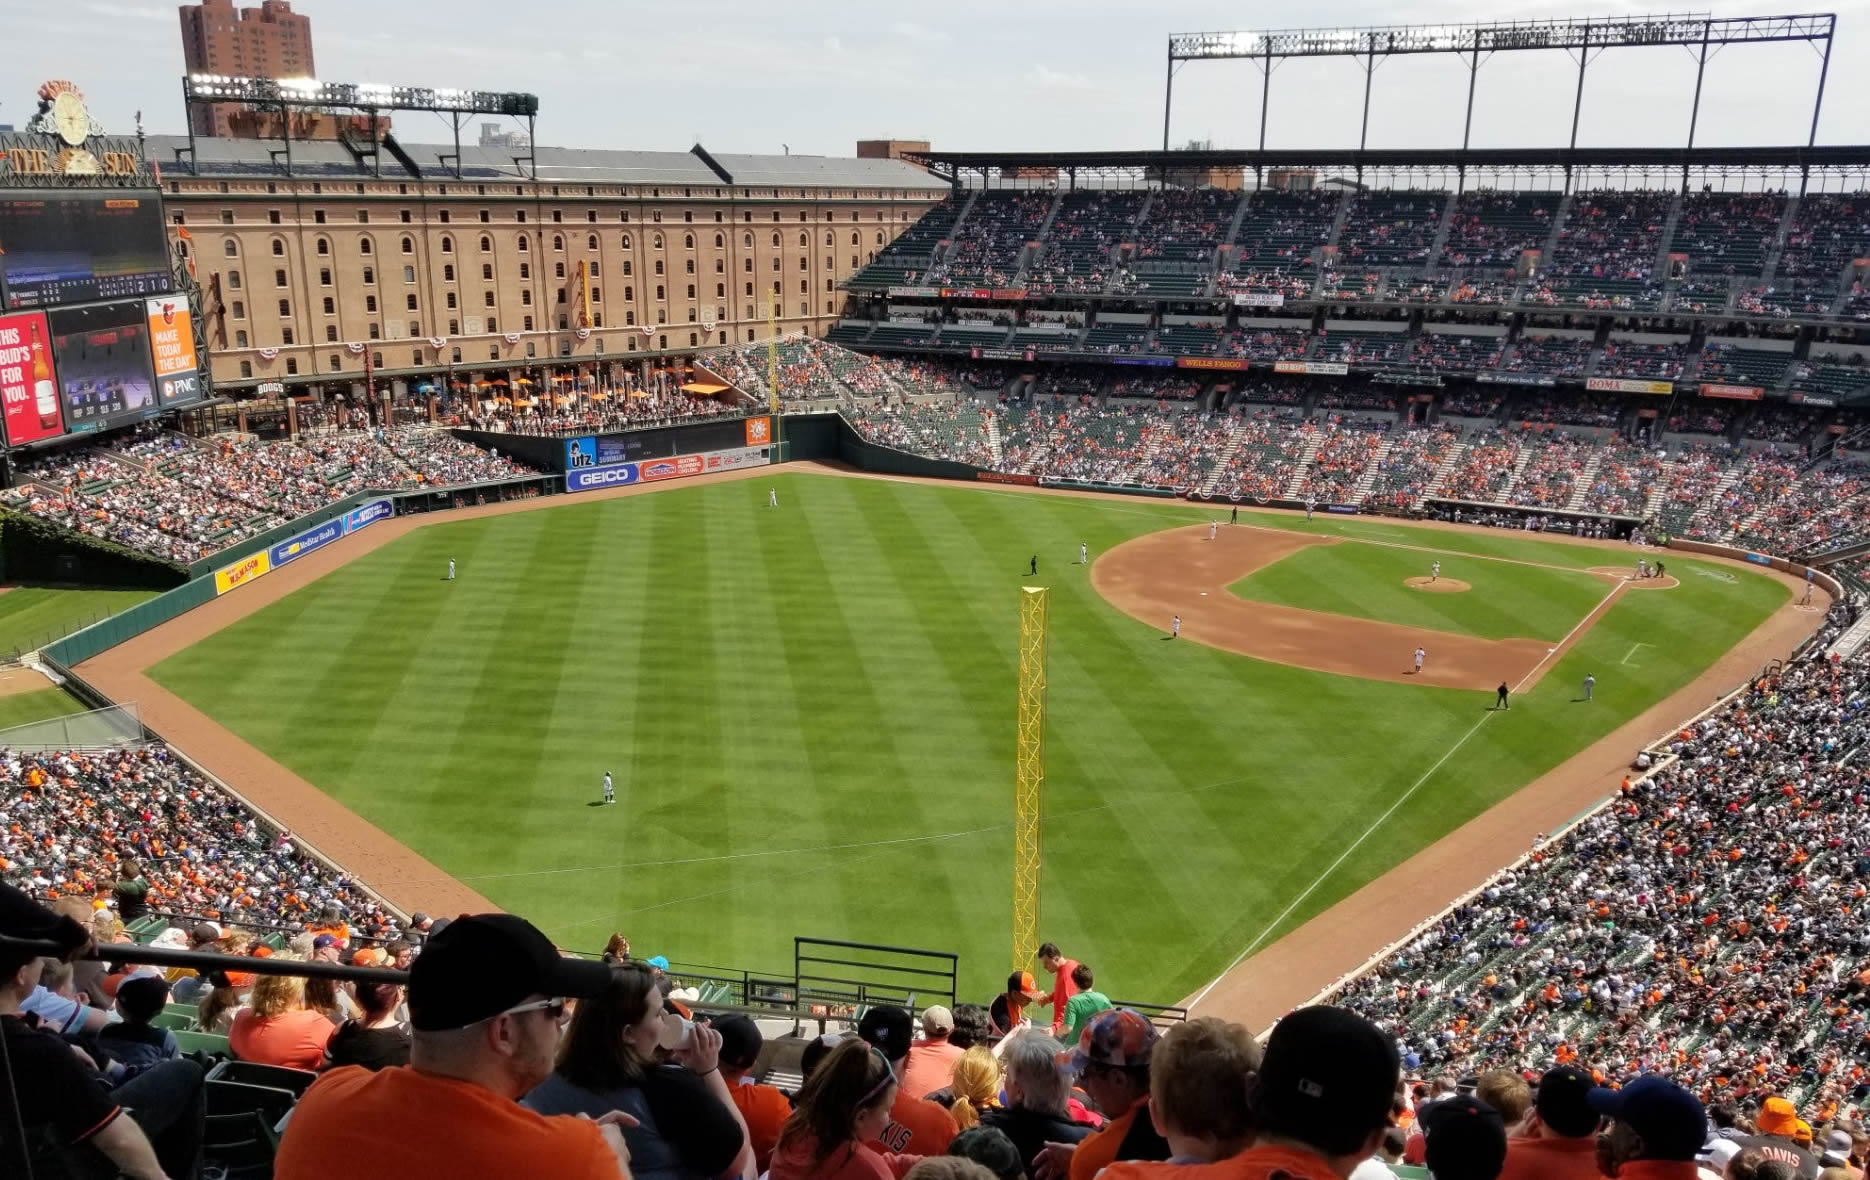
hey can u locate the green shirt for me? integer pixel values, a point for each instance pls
(1078, 1012)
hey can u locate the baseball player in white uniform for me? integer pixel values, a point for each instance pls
(1214, 529)
(610, 789)
(1420, 655)
(772, 497)
(1175, 627)
(1084, 554)
(451, 569)
(1434, 571)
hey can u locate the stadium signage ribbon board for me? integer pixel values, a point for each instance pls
(28, 392)
(1513, 379)
(589, 479)
(1313, 368)
(580, 452)
(1260, 299)
(306, 542)
(172, 347)
(1231, 363)
(759, 431)
(1627, 385)
(1158, 362)
(616, 475)
(1747, 393)
(247, 569)
(1812, 399)
(368, 514)
(914, 292)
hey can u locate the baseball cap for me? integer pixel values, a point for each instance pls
(1327, 1079)
(483, 964)
(1837, 1149)
(1778, 1117)
(1021, 982)
(1670, 1119)
(1120, 1038)
(741, 1040)
(204, 933)
(1465, 1139)
(659, 962)
(323, 941)
(936, 1020)
(1563, 1102)
(889, 1029)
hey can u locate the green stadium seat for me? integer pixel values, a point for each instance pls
(194, 1041)
(175, 1021)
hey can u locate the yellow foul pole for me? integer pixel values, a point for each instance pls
(1028, 775)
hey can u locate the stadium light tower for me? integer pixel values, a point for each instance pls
(1582, 37)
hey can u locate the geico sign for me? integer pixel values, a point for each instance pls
(602, 477)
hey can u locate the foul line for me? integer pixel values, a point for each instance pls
(1400, 800)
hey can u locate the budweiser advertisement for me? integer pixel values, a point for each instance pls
(28, 392)
(172, 346)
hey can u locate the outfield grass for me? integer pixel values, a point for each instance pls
(38, 705)
(1367, 579)
(809, 715)
(32, 616)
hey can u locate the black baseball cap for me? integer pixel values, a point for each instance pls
(1564, 1102)
(483, 964)
(1327, 1079)
(1671, 1121)
(888, 1028)
(741, 1040)
(1465, 1139)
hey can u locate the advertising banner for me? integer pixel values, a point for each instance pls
(1009, 293)
(1288, 366)
(672, 468)
(1513, 379)
(241, 572)
(1812, 399)
(1628, 385)
(966, 293)
(1007, 477)
(172, 348)
(589, 479)
(306, 542)
(1745, 393)
(1000, 354)
(1233, 363)
(914, 292)
(28, 391)
(736, 459)
(1260, 299)
(1316, 368)
(1157, 361)
(580, 452)
(368, 514)
(759, 431)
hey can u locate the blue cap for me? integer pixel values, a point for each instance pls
(659, 962)
(1670, 1120)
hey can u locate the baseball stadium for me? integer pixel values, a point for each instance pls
(1395, 607)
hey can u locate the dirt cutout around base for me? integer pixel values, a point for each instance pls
(1158, 576)
(1438, 585)
(1665, 582)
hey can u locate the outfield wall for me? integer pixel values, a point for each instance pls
(1813, 574)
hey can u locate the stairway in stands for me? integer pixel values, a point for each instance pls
(1220, 464)
(1164, 439)
(1523, 457)
(1368, 479)
(1442, 472)
(1586, 479)
(1653, 505)
(1708, 507)
(993, 438)
(1296, 486)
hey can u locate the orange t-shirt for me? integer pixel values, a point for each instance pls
(293, 1039)
(467, 1132)
(849, 1162)
(916, 1127)
(930, 1067)
(766, 1109)
(1556, 1159)
(1255, 1163)
(1099, 1149)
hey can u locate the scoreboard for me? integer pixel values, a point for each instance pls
(76, 246)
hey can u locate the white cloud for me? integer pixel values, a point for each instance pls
(1043, 75)
(133, 12)
(834, 45)
(910, 31)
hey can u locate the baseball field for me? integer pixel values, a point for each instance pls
(808, 709)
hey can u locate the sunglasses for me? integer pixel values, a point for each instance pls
(556, 1008)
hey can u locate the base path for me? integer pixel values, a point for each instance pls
(1181, 572)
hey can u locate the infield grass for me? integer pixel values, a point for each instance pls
(32, 616)
(1509, 599)
(809, 713)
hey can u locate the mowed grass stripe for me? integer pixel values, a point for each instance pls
(1191, 794)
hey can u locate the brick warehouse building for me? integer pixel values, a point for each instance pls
(437, 277)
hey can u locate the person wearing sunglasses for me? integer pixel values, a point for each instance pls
(487, 999)
(843, 1106)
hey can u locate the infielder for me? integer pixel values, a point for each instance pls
(1420, 655)
(772, 497)
(1808, 587)
(451, 569)
(610, 790)
(1434, 571)
(1590, 682)
(1084, 554)
(1214, 529)
(1175, 627)
(1309, 505)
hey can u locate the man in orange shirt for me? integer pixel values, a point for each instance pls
(931, 1060)
(917, 1126)
(765, 1108)
(1112, 1063)
(486, 1001)
(1323, 1104)
(1062, 986)
(1558, 1139)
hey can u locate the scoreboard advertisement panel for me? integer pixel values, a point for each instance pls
(172, 346)
(29, 404)
(101, 355)
(73, 246)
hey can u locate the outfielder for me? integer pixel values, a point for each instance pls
(610, 790)
(1420, 655)
(1084, 554)
(451, 569)
(772, 497)
(1590, 682)
(1175, 627)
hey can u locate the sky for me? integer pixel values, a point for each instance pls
(815, 76)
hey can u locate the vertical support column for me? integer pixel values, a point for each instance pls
(1577, 103)
(1266, 90)
(1473, 76)
(1824, 70)
(1168, 96)
(1370, 71)
(1029, 775)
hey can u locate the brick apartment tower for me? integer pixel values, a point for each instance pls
(270, 41)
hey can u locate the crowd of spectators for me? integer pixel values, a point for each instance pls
(1552, 472)
(619, 409)
(1653, 362)
(1447, 352)
(1574, 408)
(1484, 468)
(1182, 451)
(1557, 356)
(1817, 510)
(1626, 474)
(1408, 469)
(1337, 468)
(956, 431)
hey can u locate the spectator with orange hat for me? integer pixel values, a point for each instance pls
(1778, 1126)
(1008, 1009)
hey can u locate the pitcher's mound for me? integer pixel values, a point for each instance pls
(1438, 586)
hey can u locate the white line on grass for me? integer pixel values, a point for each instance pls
(1634, 648)
(1392, 809)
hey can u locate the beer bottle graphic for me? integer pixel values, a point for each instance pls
(44, 393)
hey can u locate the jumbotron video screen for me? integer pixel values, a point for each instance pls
(64, 246)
